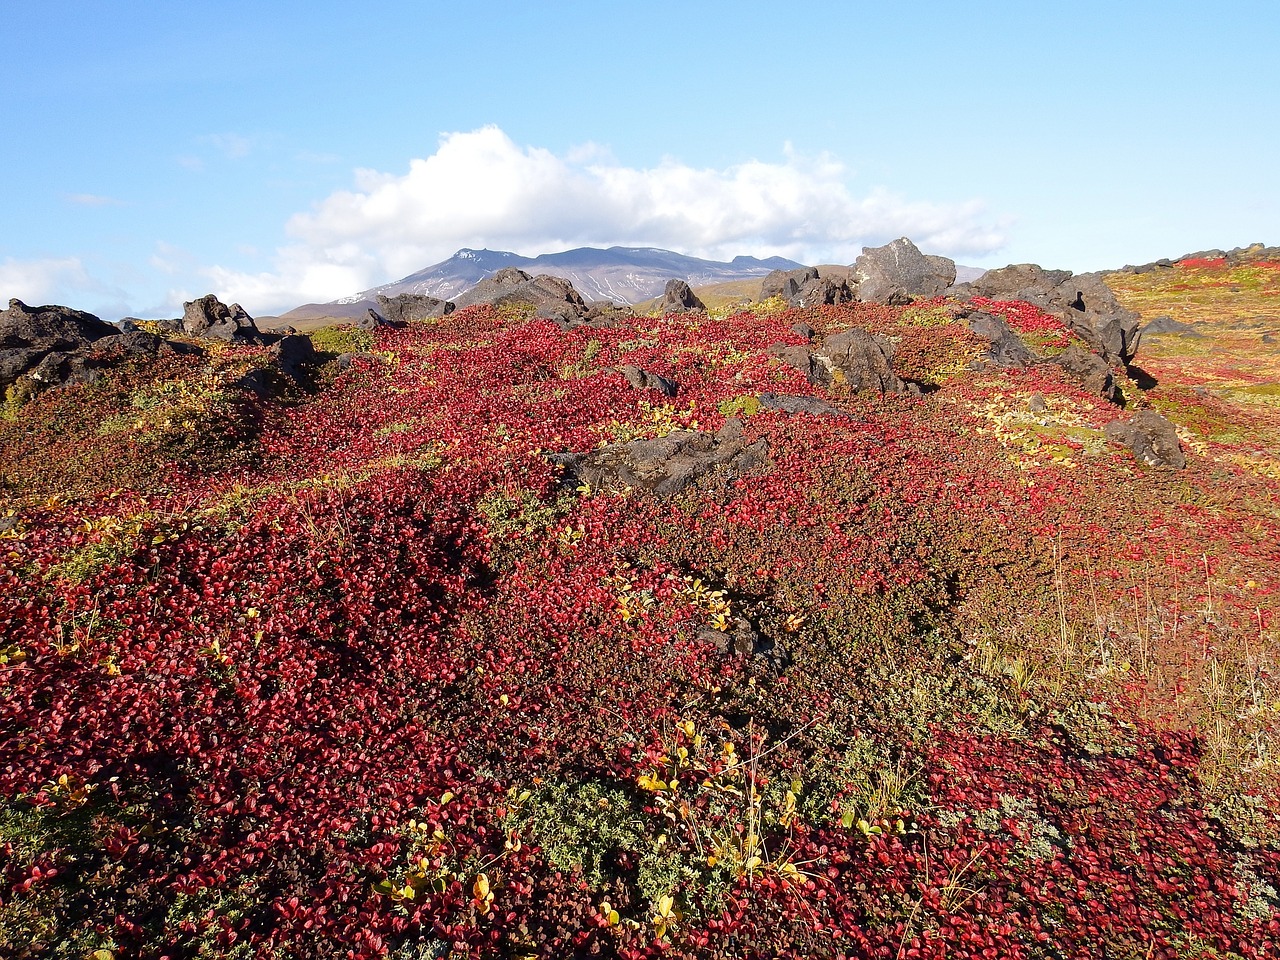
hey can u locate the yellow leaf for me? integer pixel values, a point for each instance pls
(481, 887)
(446, 797)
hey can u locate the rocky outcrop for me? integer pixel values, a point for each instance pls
(1084, 302)
(1005, 348)
(806, 288)
(899, 273)
(1090, 371)
(852, 360)
(551, 298)
(859, 361)
(786, 284)
(644, 380)
(209, 318)
(1166, 324)
(50, 346)
(1152, 438)
(792, 403)
(679, 297)
(666, 465)
(408, 307)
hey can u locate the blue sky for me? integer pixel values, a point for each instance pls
(275, 153)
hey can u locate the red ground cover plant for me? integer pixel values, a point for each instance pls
(361, 675)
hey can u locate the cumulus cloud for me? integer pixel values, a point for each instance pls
(63, 280)
(481, 189)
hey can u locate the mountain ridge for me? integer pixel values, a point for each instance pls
(625, 275)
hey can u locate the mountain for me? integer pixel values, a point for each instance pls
(621, 274)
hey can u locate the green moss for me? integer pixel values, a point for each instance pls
(341, 338)
(743, 406)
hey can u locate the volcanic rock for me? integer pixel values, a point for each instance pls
(1166, 324)
(1006, 348)
(666, 465)
(1090, 371)
(786, 283)
(1152, 438)
(408, 307)
(806, 288)
(644, 380)
(551, 297)
(1084, 302)
(899, 272)
(209, 317)
(679, 298)
(791, 403)
(857, 360)
(52, 346)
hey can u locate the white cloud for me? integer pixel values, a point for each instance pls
(63, 280)
(480, 189)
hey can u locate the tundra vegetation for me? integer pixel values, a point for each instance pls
(363, 671)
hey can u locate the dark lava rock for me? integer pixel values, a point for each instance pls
(666, 465)
(899, 272)
(786, 283)
(678, 297)
(804, 330)
(296, 357)
(857, 360)
(209, 317)
(644, 380)
(1084, 302)
(806, 287)
(606, 313)
(552, 298)
(371, 321)
(790, 403)
(1152, 438)
(1005, 348)
(1166, 324)
(408, 307)
(852, 359)
(1019, 281)
(54, 346)
(1090, 371)
(745, 641)
(51, 327)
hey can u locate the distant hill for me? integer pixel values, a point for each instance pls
(621, 274)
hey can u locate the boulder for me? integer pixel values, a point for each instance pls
(786, 283)
(408, 307)
(551, 297)
(853, 360)
(296, 357)
(210, 318)
(644, 380)
(899, 272)
(1005, 348)
(50, 327)
(791, 403)
(666, 465)
(1152, 438)
(858, 361)
(823, 291)
(371, 321)
(1028, 282)
(1090, 371)
(53, 346)
(1084, 302)
(1166, 324)
(678, 297)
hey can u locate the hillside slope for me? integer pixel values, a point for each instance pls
(476, 649)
